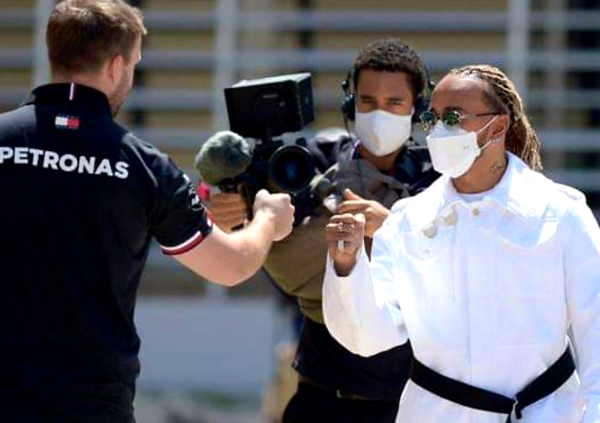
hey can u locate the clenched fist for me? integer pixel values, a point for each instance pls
(345, 236)
(229, 210)
(280, 209)
(374, 212)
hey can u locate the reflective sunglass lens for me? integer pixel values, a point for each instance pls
(427, 119)
(451, 119)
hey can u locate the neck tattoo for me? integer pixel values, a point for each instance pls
(496, 166)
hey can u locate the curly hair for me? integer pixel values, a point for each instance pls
(391, 55)
(501, 94)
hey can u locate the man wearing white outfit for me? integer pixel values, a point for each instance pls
(484, 272)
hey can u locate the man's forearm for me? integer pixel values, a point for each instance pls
(228, 259)
(254, 243)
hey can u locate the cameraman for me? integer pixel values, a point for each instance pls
(372, 169)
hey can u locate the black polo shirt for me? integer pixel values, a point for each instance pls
(81, 199)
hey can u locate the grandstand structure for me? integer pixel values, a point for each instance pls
(195, 48)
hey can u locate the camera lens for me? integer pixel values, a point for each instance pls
(291, 168)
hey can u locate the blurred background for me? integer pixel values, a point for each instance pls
(209, 354)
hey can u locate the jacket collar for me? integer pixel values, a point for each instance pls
(80, 95)
(518, 193)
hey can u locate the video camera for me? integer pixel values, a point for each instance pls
(263, 109)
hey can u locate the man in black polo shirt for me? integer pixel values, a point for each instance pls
(81, 200)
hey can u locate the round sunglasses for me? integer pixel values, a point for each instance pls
(451, 119)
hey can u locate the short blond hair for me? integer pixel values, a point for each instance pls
(82, 35)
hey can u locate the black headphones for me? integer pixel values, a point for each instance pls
(349, 102)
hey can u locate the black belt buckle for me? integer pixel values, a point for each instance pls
(338, 392)
(349, 396)
(515, 411)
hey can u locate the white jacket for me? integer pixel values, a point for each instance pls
(485, 291)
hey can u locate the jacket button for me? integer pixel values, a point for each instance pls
(450, 219)
(430, 231)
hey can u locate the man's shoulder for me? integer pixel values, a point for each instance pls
(16, 120)
(327, 146)
(414, 167)
(408, 214)
(144, 150)
(135, 142)
(145, 160)
(17, 113)
(550, 198)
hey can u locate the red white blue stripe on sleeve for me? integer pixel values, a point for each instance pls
(186, 246)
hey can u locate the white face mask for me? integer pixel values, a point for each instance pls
(453, 151)
(382, 132)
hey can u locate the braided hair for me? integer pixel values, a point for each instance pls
(502, 94)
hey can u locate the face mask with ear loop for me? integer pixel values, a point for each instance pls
(383, 132)
(453, 151)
